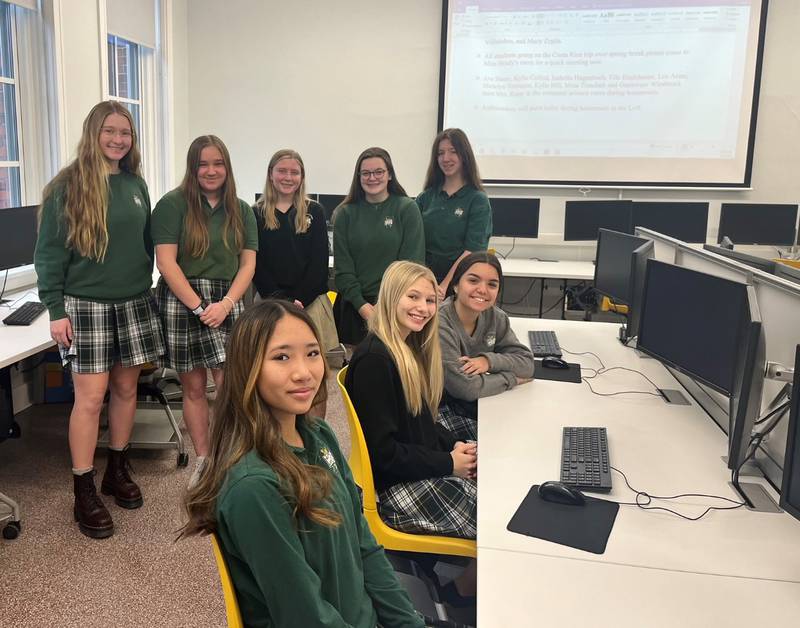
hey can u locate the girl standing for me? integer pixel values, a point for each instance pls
(375, 225)
(94, 262)
(206, 242)
(455, 209)
(292, 259)
(480, 352)
(279, 494)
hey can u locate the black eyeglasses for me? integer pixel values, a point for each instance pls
(369, 174)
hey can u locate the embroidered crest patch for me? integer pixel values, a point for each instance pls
(388, 222)
(327, 456)
(309, 218)
(137, 200)
(458, 212)
(490, 339)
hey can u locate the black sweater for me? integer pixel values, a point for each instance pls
(402, 447)
(292, 265)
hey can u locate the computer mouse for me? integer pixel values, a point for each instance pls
(551, 362)
(560, 493)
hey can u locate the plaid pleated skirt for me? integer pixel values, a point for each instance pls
(445, 506)
(104, 334)
(190, 343)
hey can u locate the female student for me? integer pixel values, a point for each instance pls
(206, 242)
(278, 491)
(375, 225)
(292, 258)
(94, 262)
(480, 352)
(455, 209)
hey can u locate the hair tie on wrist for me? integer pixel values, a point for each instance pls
(233, 304)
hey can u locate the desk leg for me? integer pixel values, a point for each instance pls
(8, 427)
(564, 304)
(541, 296)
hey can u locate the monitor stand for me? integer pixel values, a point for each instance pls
(674, 396)
(758, 498)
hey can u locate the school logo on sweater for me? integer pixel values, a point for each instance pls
(138, 201)
(458, 212)
(327, 456)
(490, 340)
(309, 218)
(388, 223)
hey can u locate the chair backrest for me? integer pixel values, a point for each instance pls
(360, 464)
(231, 603)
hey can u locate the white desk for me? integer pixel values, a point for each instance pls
(536, 269)
(664, 449)
(19, 342)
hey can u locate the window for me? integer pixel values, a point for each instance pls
(124, 77)
(10, 158)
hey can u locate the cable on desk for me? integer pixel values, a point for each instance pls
(644, 501)
(513, 244)
(594, 355)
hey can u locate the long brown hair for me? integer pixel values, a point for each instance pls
(356, 193)
(476, 257)
(269, 199)
(196, 223)
(244, 422)
(469, 167)
(419, 356)
(84, 184)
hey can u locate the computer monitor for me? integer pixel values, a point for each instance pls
(582, 219)
(684, 221)
(767, 265)
(708, 328)
(515, 217)
(758, 223)
(18, 230)
(784, 271)
(619, 272)
(790, 486)
(329, 203)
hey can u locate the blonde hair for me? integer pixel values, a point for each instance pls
(269, 199)
(84, 184)
(244, 422)
(196, 222)
(418, 357)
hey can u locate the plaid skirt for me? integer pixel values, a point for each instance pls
(104, 334)
(190, 343)
(445, 506)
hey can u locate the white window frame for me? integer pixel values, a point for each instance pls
(19, 163)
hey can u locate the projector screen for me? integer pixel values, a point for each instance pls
(605, 92)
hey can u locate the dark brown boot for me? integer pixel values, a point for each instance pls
(117, 481)
(90, 513)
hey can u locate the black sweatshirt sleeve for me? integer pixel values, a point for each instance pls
(265, 284)
(316, 275)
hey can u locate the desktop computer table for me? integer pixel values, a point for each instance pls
(658, 569)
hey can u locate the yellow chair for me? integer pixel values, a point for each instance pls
(390, 538)
(608, 305)
(231, 603)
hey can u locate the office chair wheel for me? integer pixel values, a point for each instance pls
(15, 431)
(12, 530)
(183, 460)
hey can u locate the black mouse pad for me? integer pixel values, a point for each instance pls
(584, 527)
(572, 374)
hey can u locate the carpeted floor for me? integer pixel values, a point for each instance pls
(52, 575)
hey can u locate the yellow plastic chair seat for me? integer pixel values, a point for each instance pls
(231, 603)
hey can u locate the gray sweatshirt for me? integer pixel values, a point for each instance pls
(493, 339)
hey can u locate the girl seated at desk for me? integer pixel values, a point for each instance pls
(279, 494)
(480, 351)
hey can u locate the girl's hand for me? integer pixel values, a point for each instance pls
(465, 460)
(298, 304)
(215, 314)
(61, 331)
(441, 289)
(523, 380)
(474, 366)
(366, 311)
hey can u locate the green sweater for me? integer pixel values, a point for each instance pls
(126, 271)
(289, 573)
(220, 261)
(454, 224)
(367, 238)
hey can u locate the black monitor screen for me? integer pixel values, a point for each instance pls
(515, 217)
(612, 270)
(329, 202)
(582, 219)
(684, 221)
(693, 322)
(17, 236)
(790, 487)
(758, 223)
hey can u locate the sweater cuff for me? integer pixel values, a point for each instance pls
(56, 312)
(510, 378)
(444, 466)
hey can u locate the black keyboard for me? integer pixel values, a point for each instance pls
(25, 314)
(544, 343)
(585, 464)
